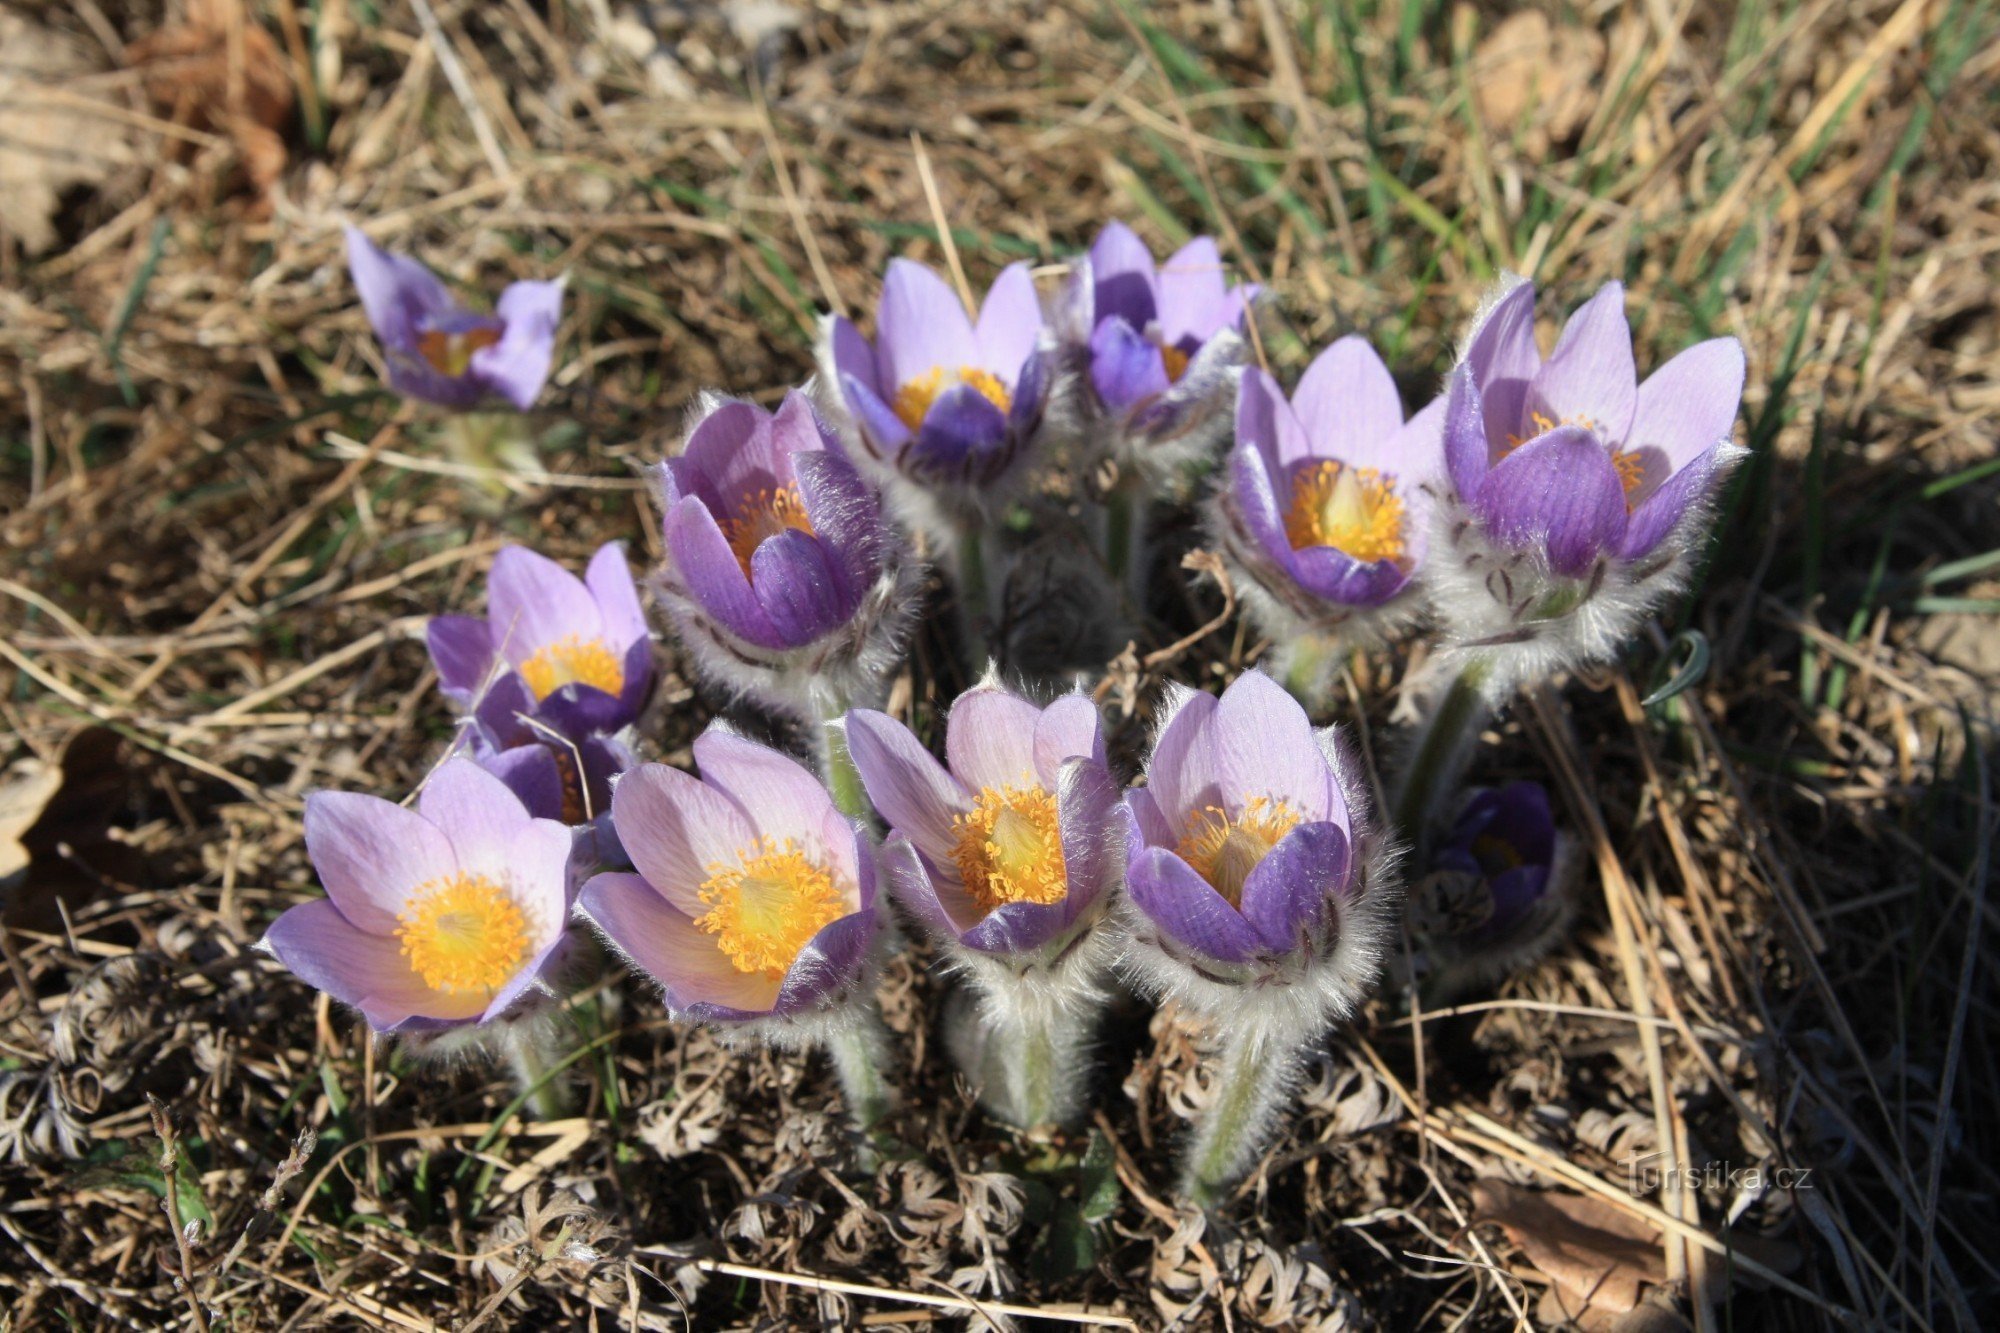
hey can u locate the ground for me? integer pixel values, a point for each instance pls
(222, 537)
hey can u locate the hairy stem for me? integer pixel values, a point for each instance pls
(1443, 748)
(1125, 541)
(860, 1054)
(1255, 1078)
(974, 608)
(1304, 664)
(527, 1049)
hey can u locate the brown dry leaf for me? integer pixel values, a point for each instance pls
(1597, 1255)
(220, 72)
(25, 791)
(41, 152)
(1537, 81)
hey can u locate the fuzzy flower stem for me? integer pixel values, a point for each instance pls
(837, 765)
(1306, 661)
(974, 605)
(1032, 1064)
(1255, 1077)
(527, 1051)
(1444, 746)
(1125, 539)
(860, 1054)
(490, 446)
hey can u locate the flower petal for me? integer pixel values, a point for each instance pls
(832, 961)
(881, 429)
(399, 294)
(1185, 774)
(532, 602)
(1688, 405)
(1590, 378)
(844, 515)
(1559, 492)
(921, 326)
(461, 649)
(1287, 896)
(1125, 368)
(962, 430)
(1661, 512)
(517, 366)
(1070, 728)
(328, 952)
(478, 812)
(712, 577)
(851, 354)
(1504, 359)
(910, 790)
(675, 827)
(1468, 458)
(803, 594)
(1264, 747)
(371, 853)
(1010, 323)
(1194, 296)
(1121, 273)
(533, 773)
(1187, 909)
(1348, 406)
(699, 980)
(609, 579)
(989, 739)
(780, 795)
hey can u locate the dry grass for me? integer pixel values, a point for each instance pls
(220, 536)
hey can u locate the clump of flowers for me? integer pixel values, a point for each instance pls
(1005, 855)
(1499, 890)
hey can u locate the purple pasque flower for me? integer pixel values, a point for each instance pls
(1157, 342)
(1498, 891)
(1571, 457)
(1326, 507)
(1006, 848)
(435, 917)
(444, 353)
(753, 898)
(577, 650)
(781, 571)
(943, 404)
(1251, 858)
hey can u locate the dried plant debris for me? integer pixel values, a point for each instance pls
(45, 95)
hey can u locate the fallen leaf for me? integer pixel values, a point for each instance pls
(1597, 1255)
(71, 846)
(25, 791)
(222, 73)
(1536, 81)
(41, 153)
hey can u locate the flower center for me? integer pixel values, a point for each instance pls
(1010, 847)
(1176, 362)
(463, 934)
(1355, 510)
(574, 660)
(913, 400)
(762, 515)
(768, 906)
(1495, 854)
(1630, 466)
(451, 353)
(1224, 851)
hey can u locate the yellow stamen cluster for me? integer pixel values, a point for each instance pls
(1355, 510)
(1224, 851)
(914, 399)
(1631, 471)
(1010, 847)
(451, 353)
(1176, 362)
(1491, 851)
(1630, 466)
(463, 934)
(573, 659)
(768, 906)
(763, 515)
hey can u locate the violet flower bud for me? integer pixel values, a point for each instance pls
(1152, 348)
(1324, 514)
(444, 353)
(781, 575)
(1576, 495)
(941, 408)
(1500, 889)
(441, 917)
(1008, 856)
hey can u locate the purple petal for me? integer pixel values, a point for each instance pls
(852, 356)
(1070, 728)
(326, 951)
(1148, 820)
(1265, 747)
(1590, 378)
(504, 710)
(1194, 299)
(540, 859)
(803, 594)
(532, 602)
(478, 812)
(1468, 456)
(1088, 813)
(1560, 492)
(1185, 775)
(779, 794)
(371, 853)
(712, 577)
(517, 366)
(844, 516)
(1503, 358)
(989, 739)
(911, 790)
(1661, 512)
(1415, 453)
(674, 828)
(461, 648)
(832, 961)
(1031, 392)
(1335, 576)
(1253, 469)
(532, 773)
(731, 454)
(1010, 323)
(1287, 895)
(664, 943)
(921, 326)
(1689, 404)
(1125, 369)
(399, 294)
(962, 428)
(1184, 906)
(1121, 273)
(911, 884)
(881, 428)
(1348, 406)
(609, 579)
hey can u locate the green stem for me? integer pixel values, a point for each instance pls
(1251, 1082)
(545, 1097)
(837, 767)
(860, 1055)
(1444, 745)
(1125, 540)
(974, 605)
(1305, 662)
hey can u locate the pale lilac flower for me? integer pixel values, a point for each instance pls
(752, 900)
(1499, 889)
(940, 404)
(1325, 511)
(782, 576)
(1575, 496)
(445, 353)
(434, 918)
(571, 653)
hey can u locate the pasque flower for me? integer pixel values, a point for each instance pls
(1325, 511)
(782, 576)
(577, 650)
(941, 405)
(1575, 492)
(443, 352)
(438, 917)
(1008, 856)
(1155, 344)
(1259, 894)
(752, 903)
(1498, 892)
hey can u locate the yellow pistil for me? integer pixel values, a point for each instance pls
(768, 906)
(451, 353)
(573, 659)
(914, 399)
(463, 935)
(1224, 851)
(1010, 847)
(1355, 510)
(762, 515)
